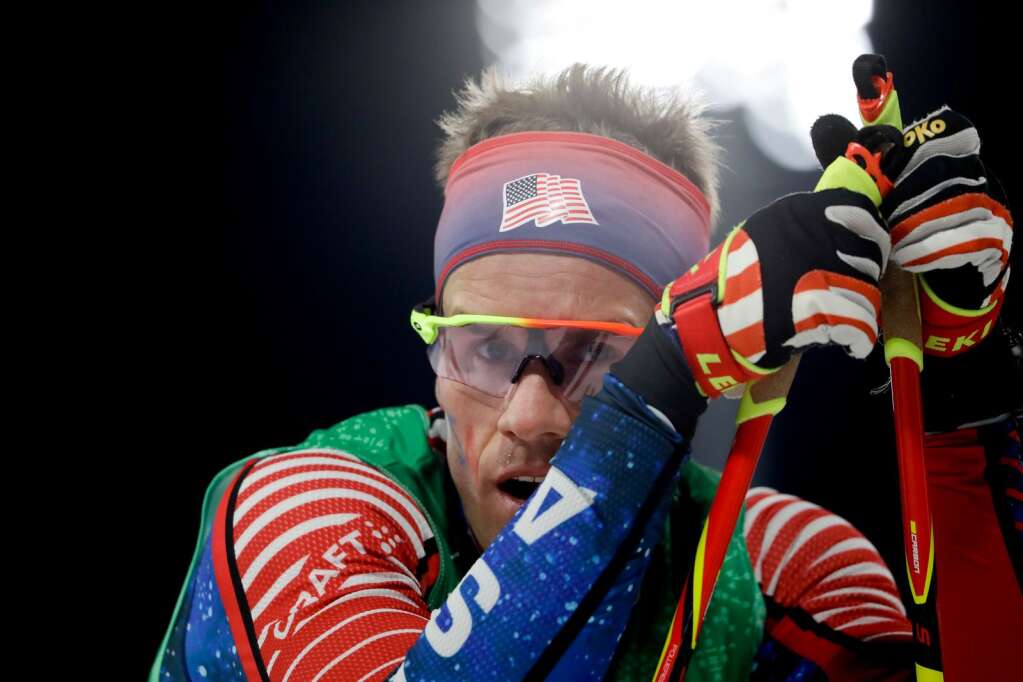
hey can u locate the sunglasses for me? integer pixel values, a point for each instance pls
(490, 352)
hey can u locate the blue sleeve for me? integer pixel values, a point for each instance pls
(590, 654)
(553, 593)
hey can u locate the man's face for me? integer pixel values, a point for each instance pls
(493, 440)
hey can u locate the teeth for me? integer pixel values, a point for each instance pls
(529, 479)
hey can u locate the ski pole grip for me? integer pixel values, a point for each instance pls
(900, 315)
(775, 385)
(900, 319)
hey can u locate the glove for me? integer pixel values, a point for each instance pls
(949, 223)
(945, 209)
(801, 272)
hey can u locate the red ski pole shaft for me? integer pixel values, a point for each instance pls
(763, 399)
(769, 396)
(901, 328)
(903, 346)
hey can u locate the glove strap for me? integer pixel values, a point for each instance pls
(949, 330)
(691, 302)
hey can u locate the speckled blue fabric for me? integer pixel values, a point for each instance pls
(776, 663)
(209, 649)
(589, 656)
(580, 543)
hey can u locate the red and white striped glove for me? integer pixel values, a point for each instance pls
(800, 272)
(950, 224)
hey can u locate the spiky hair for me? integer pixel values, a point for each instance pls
(668, 126)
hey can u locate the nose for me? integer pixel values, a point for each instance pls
(533, 409)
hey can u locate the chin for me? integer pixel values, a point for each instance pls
(500, 511)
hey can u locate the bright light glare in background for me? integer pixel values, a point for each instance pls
(784, 63)
(781, 64)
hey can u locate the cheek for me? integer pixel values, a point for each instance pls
(456, 446)
(467, 427)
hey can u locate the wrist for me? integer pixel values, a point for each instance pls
(974, 387)
(656, 370)
(689, 308)
(950, 330)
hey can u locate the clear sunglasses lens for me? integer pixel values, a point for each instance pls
(485, 357)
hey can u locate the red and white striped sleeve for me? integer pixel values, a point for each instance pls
(809, 558)
(334, 559)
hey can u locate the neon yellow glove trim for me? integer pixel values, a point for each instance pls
(843, 173)
(723, 261)
(949, 308)
(666, 300)
(750, 367)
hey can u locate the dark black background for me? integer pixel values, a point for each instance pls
(274, 223)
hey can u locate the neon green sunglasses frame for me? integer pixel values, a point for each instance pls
(428, 325)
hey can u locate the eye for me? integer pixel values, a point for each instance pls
(598, 351)
(594, 352)
(493, 349)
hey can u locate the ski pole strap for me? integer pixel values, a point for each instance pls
(690, 303)
(949, 330)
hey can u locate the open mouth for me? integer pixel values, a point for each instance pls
(520, 487)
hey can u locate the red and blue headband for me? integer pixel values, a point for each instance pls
(576, 194)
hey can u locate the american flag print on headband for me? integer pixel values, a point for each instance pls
(545, 199)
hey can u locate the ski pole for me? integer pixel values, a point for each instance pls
(900, 325)
(762, 400)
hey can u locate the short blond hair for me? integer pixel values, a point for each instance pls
(670, 127)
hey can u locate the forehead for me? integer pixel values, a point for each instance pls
(547, 286)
